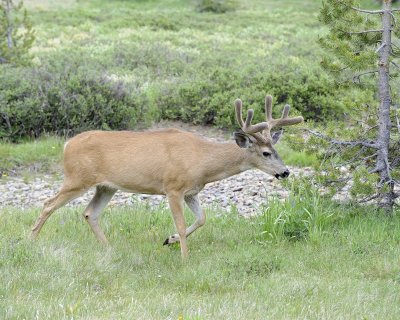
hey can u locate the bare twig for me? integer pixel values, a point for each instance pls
(388, 169)
(345, 143)
(376, 169)
(357, 76)
(398, 122)
(347, 179)
(369, 198)
(368, 11)
(393, 18)
(395, 64)
(380, 47)
(395, 162)
(366, 31)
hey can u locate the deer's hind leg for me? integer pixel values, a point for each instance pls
(92, 212)
(65, 195)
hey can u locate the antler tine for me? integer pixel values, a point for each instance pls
(285, 111)
(284, 120)
(238, 105)
(268, 107)
(246, 126)
(249, 118)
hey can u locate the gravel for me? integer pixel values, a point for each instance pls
(245, 192)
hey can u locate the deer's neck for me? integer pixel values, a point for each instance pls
(222, 160)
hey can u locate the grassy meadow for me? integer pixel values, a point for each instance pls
(128, 64)
(300, 259)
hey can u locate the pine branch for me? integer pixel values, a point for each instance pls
(356, 158)
(366, 31)
(344, 143)
(357, 76)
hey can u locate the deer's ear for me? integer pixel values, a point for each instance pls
(276, 136)
(242, 139)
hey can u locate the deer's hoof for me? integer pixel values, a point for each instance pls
(171, 239)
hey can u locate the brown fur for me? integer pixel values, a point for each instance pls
(170, 162)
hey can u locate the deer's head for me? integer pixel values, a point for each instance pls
(259, 140)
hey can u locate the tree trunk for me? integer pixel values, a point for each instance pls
(382, 166)
(9, 25)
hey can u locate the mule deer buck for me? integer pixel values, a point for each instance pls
(169, 162)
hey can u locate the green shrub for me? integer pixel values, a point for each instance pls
(216, 6)
(36, 102)
(69, 97)
(305, 215)
(207, 96)
(130, 84)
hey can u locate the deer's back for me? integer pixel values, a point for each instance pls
(133, 161)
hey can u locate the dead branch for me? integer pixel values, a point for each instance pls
(395, 64)
(369, 198)
(341, 180)
(395, 162)
(345, 143)
(368, 11)
(398, 122)
(366, 31)
(380, 47)
(376, 169)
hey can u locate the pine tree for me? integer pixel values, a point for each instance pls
(362, 50)
(16, 33)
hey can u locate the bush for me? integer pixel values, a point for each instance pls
(35, 102)
(216, 6)
(70, 92)
(207, 96)
(69, 99)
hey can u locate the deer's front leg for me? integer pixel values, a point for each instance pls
(175, 201)
(193, 203)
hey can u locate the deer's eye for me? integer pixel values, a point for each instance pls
(266, 154)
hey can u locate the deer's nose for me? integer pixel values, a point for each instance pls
(285, 174)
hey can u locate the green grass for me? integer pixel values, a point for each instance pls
(39, 155)
(349, 269)
(296, 158)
